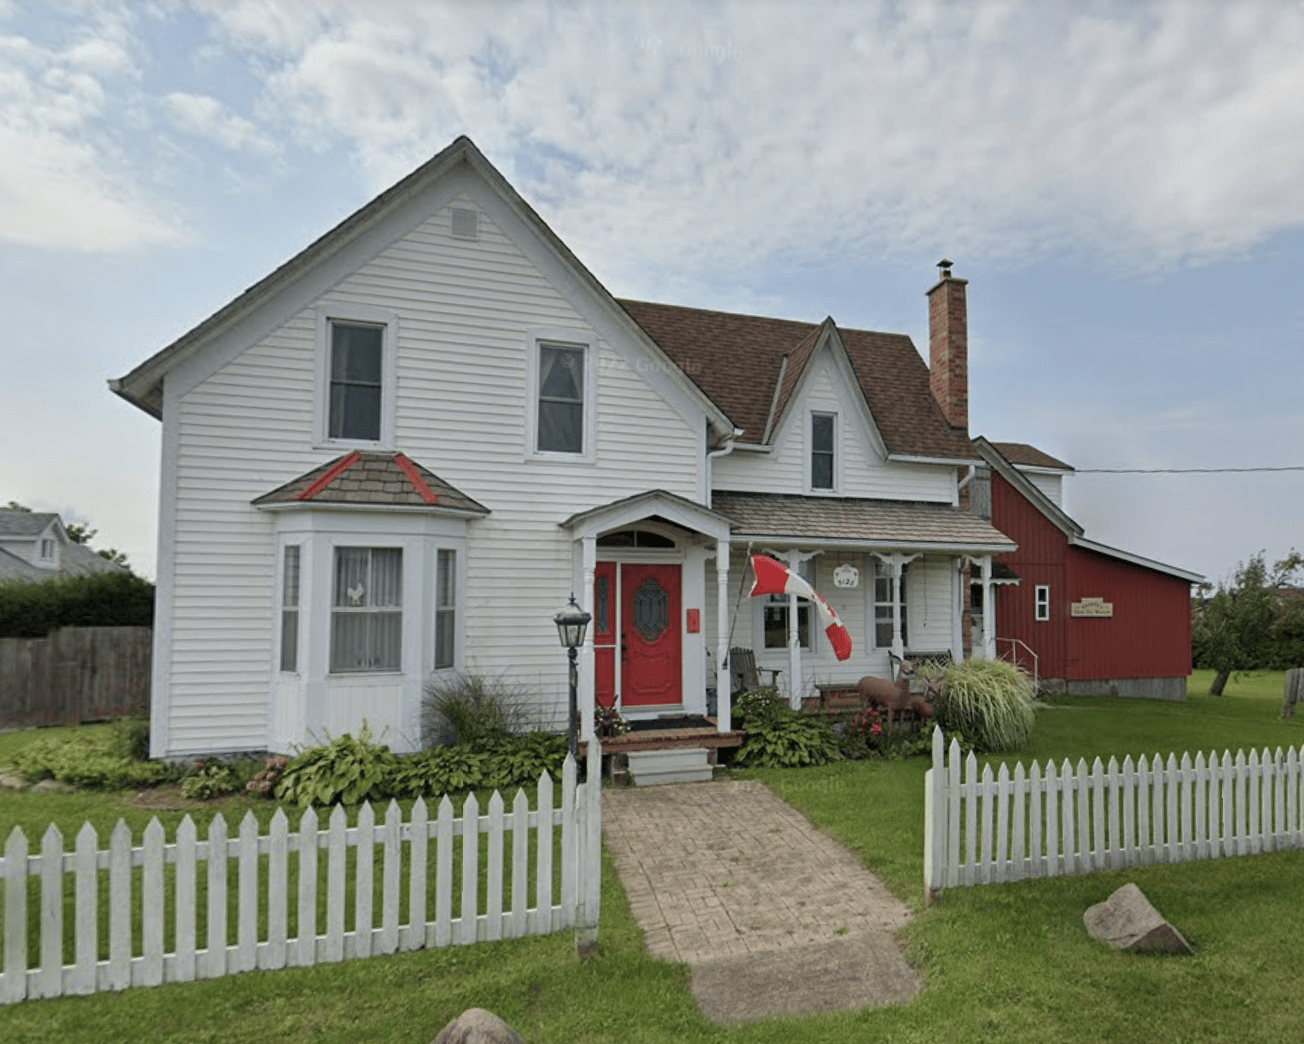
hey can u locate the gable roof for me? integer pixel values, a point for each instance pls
(14, 568)
(1020, 453)
(1057, 517)
(739, 361)
(143, 386)
(371, 480)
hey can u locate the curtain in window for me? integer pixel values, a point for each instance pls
(561, 399)
(290, 609)
(367, 618)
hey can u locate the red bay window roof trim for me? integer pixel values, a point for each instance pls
(330, 476)
(414, 476)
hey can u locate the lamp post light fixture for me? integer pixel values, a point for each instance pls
(572, 621)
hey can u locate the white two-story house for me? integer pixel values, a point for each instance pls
(400, 453)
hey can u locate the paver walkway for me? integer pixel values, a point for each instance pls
(774, 916)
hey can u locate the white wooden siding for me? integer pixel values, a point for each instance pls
(862, 470)
(464, 311)
(1051, 485)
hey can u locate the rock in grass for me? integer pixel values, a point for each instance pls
(1127, 921)
(12, 781)
(477, 1026)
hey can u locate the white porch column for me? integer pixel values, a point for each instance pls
(723, 679)
(589, 557)
(989, 610)
(898, 641)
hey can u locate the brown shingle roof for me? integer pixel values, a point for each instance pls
(372, 479)
(1030, 456)
(735, 360)
(891, 523)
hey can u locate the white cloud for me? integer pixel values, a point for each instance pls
(1141, 134)
(64, 183)
(206, 117)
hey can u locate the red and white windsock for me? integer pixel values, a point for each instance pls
(775, 578)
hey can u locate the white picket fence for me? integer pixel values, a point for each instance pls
(250, 875)
(990, 828)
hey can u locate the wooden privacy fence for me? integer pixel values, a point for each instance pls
(991, 828)
(106, 919)
(74, 674)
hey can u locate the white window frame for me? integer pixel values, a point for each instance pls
(810, 451)
(1041, 603)
(806, 570)
(452, 611)
(403, 609)
(874, 603)
(287, 608)
(565, 339)
(47, 549)
(368, 316)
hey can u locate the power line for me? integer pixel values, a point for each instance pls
(1178, 471)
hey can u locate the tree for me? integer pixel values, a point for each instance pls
(1241, 627)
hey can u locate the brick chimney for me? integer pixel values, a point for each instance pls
(948, 346)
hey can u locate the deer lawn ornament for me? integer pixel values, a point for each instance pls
(896, 696)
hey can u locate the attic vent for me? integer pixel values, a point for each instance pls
(466, 223)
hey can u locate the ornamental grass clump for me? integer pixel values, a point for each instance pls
(990, 702)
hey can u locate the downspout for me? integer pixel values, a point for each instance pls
(723, 451)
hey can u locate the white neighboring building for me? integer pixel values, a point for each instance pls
(401, 452)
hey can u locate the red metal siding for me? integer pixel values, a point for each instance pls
(1149, 635)
(1039, 560)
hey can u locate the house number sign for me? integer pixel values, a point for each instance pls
(846, 575)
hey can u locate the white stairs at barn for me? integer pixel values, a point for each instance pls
(676, 765)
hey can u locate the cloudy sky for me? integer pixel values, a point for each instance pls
(1122, 184)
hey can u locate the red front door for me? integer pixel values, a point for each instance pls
(650, 632)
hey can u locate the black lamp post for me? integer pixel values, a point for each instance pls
(571, 623)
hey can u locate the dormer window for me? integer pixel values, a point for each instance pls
(47, 550)
(822, 426)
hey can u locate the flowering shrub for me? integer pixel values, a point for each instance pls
(608, 722)
(264, 784)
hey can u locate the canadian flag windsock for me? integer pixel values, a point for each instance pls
(775, 578)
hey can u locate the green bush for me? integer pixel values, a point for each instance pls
(758, 703)
(521, 762)
(130, 738)
(32, 609)
(990, 702)
(472, 710)
(440, 770)
(345, 771)
(209, 779)
(785, 738)
(90, 764)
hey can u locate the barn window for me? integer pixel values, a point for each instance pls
(1042, 602)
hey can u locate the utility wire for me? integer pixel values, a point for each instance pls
(1176, 471)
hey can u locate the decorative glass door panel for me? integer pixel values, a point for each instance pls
(651, 635)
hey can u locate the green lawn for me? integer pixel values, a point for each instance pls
(1001, 963)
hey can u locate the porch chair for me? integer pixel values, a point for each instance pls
(743, 673)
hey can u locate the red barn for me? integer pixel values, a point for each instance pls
(1090, 619)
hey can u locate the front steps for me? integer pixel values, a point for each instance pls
(674, 765)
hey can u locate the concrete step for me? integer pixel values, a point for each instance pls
(676, 765)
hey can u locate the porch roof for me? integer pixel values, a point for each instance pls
(849, 522)
(651, 503)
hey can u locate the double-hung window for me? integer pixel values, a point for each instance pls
(357, 385)
(290, 608)
(356, 376)
(883, 605)
(561, 398)
(445, 608)
(47, 549)
(1041, 602)
(774, 615)
(822, 427)
(367, 610)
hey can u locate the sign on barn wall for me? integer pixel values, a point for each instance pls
(1091, 607)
